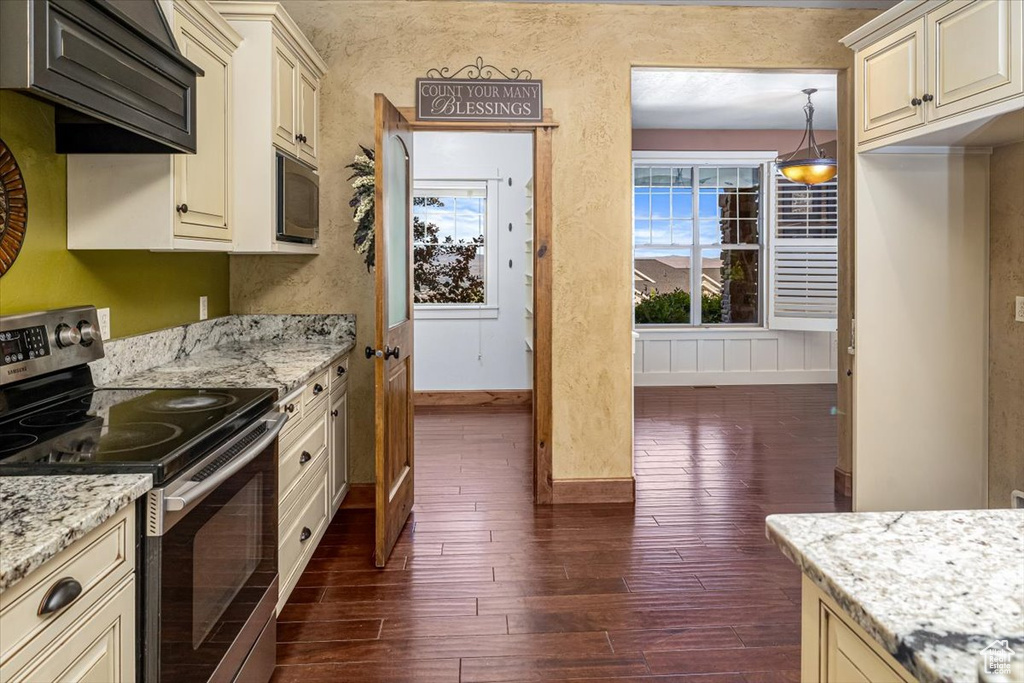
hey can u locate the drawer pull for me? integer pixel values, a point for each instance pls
(60, 595)
(341, 371)
(304, 536)
(290, 408)
(305, 457)
(318, 389)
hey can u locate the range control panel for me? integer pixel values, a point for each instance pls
(24, 344)
(34, 344)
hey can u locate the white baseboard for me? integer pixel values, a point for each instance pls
(692, 379)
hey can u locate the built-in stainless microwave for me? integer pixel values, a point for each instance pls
(298, 201)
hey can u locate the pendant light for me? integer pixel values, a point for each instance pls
(818, 167)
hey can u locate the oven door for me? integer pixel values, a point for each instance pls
(298, 201)
(210, 582)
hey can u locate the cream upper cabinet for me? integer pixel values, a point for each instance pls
(202, 182)
(277, 75)
(168, 202)
(891, 76)
(929, 72)
(976, 47)
(285, 81)
(308, 98)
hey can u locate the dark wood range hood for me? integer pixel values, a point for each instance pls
(112, 68)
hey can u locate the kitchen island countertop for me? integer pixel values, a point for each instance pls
(41, 516)
(932, 588)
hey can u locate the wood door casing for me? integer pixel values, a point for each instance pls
(393, 335)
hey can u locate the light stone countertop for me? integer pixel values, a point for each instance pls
(41, 516)
(933, 588)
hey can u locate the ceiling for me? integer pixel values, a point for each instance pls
(722, 100)
(809, 4)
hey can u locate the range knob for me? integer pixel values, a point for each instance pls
(66, 336)
(88, 332)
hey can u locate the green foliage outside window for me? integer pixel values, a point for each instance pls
(673, 308)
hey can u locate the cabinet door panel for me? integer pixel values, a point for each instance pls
(890, 75)
(98, 648)
(309, 95)
(339, 449)
(976, 48)
(285, 115)
(201, 180)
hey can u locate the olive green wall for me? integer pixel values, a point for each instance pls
(145, 291)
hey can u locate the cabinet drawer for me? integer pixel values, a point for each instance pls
(302, 455)
(302, 527)
(292, 406)
(316, 390)
(98, 646)
(97, 562)
(338, 374)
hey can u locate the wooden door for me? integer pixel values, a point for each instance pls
(977, 48)
(308, 100)
(285, 73)
(202, 180)
(392, 356)
(891, 79)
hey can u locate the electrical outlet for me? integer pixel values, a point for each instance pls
(103, 317)
(1019, 310)
(204, 312)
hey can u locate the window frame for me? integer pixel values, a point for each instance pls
(488, 309)
(763, 160)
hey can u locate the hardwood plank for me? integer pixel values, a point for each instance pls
(682, 583)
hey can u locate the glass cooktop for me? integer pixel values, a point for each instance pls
(157, 431)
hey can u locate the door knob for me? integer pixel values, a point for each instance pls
(372, 352)
(391, 353)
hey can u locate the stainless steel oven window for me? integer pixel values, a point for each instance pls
(226, 552)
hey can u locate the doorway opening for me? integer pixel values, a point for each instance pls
(473, 268)
(736, 282)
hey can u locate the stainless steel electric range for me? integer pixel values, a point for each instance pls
(208, 548)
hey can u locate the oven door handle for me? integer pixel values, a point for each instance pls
(275, 422)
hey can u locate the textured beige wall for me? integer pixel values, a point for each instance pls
(583, 53)
(1006, 337)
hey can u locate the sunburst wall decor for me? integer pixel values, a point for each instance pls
(13, 209)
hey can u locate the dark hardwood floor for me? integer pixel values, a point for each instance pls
(483, 586)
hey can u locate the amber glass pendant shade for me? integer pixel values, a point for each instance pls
(809, 171)
(815, 168)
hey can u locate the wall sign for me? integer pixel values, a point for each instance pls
(13, 209)
(479, 92)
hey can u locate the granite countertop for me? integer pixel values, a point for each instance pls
(933, 588)
(41, 516)
(274, 351)
(282, 365)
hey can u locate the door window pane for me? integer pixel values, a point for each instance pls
(449, 250)
(396, 225)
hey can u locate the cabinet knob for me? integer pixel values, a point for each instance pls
(927, 98)
(305, 457)
(181, 208)
(916, 102)
(298, 137)
(341, 370)
(61, 594)
(318, 389)
(290, 408)
(334, 413)
(304, 536)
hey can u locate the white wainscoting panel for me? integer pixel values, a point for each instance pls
(674, 357)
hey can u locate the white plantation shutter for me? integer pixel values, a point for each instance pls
(803, 255)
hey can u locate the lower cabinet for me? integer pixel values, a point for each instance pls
(836, 650)
(91, 638)
(312, 469)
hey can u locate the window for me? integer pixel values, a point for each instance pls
(697, 228)
(450, 239)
